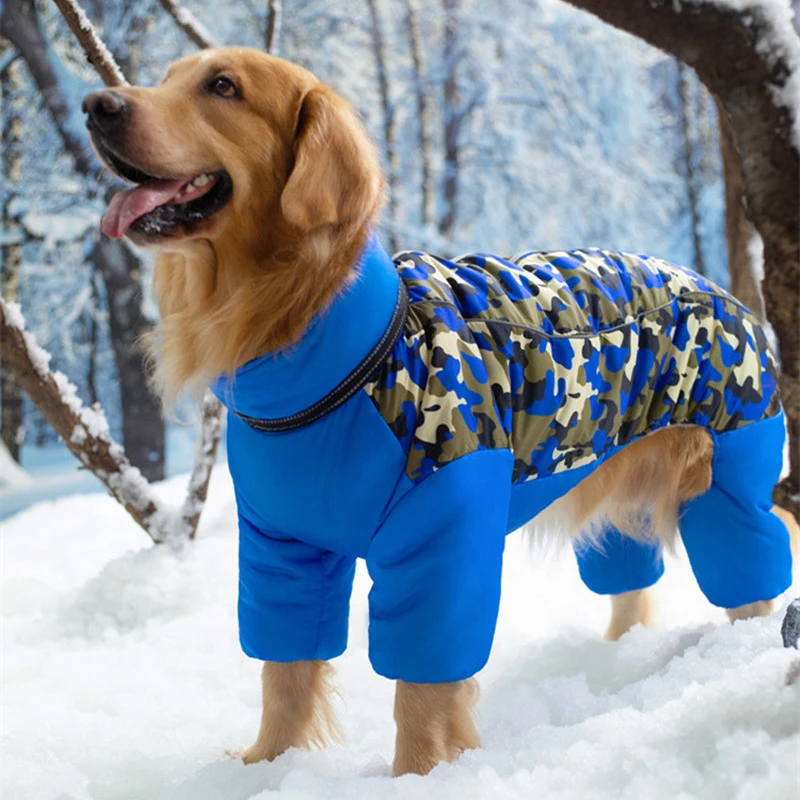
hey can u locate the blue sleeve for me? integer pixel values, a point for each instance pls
(294, 598)
(435, 564)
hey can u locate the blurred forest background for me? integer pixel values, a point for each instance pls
(503, 126)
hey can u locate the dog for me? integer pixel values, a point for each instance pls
(412, 411)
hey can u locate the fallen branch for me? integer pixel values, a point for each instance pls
(96, 51)
(192, 26)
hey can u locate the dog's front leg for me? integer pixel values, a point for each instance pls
(434, 723)
(296, 709)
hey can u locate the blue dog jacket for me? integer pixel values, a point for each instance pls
(437, 405)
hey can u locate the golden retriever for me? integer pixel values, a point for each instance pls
(266, 186)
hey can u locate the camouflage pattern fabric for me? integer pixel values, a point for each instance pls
(559, 356)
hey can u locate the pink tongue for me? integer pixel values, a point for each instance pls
(127, 206)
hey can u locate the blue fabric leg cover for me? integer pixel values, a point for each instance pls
(436, 565)
(617, 563)
(738, 549)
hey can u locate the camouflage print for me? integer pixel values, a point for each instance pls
(560, 356)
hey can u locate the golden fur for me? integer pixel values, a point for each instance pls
(249, 279)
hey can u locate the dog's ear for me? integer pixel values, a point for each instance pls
(336, 175)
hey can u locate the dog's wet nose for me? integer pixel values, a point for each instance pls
(106, 108)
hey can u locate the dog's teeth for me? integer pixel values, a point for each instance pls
(201, 180)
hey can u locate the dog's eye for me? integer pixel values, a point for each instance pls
(222, 87)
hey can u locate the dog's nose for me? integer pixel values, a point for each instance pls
(106, 108)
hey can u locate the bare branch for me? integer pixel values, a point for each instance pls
(274, 22)
(204, 457)
(97, 53)
(192, 26)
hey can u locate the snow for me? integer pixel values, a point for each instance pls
(123, 679)
(777, 42)
(54, 228)
(12, 475)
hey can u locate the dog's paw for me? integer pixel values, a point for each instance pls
(251, 755)
(761, 608)
(260, 752)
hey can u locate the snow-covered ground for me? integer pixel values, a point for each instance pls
(123, 680)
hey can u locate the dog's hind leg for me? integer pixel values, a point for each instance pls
(296, 711)
(739, 549)
(628, 609)
(434, 723)
(764, 608)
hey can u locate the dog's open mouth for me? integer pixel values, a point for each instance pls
(160, 206)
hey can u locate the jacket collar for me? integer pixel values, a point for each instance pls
(284, 384)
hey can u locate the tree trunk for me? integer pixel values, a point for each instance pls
(142, 422)
(739, 231)
(452, 118)
(11, 421)
(379, 53)
(423, 112)
(684, 93)
(748, 67)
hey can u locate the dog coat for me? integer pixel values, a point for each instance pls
(437, 405)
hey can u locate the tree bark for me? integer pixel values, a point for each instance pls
(11, 421)
(747, 68)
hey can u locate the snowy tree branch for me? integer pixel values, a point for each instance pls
(189, 23)
(204, 457)
(96, 51)
(84, 431)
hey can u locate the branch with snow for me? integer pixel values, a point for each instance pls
(192, 26)
(84, 430)
(204, 457)
(96, 51)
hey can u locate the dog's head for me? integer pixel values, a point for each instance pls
(231, 134)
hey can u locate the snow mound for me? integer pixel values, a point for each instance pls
(123, 679)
